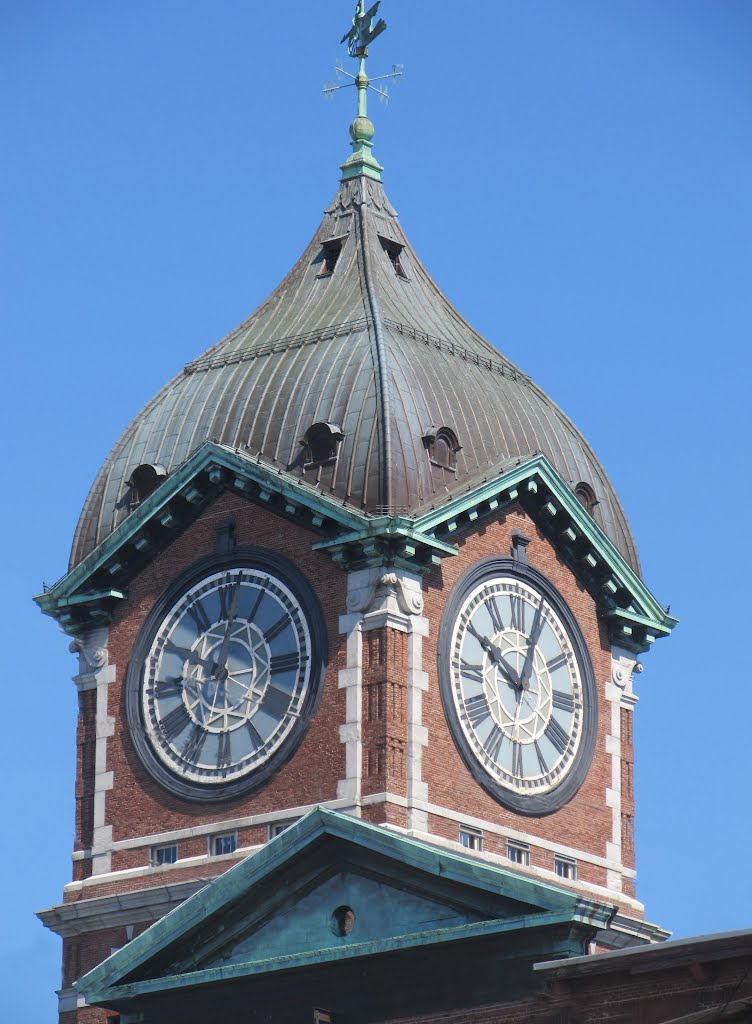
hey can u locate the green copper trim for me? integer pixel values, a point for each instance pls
(540, 905)
(354, 540)
(363, 31)
(230, 469)
(525, 924)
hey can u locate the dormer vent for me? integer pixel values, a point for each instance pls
(321, 444)
(144, 479)
(586, 497)
(330, 250)
(442, 447)
(394, 252)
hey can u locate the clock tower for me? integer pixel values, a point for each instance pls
(350, 560)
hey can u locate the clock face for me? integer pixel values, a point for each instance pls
(226, 680)
(517, 687)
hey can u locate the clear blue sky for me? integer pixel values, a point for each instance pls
(576, 176)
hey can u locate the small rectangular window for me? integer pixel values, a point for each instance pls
(226, 843)
(276, 828)
(471, 838)
(518, 853)
(160, 855)
(394, 252)
(330, 250)
(565, 867)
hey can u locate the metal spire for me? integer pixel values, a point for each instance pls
(364, 30)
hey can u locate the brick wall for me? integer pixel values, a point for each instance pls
(137, 806)
(585, 823)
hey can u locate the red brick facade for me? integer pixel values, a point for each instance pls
(137, 807)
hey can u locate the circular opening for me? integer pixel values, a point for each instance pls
(342, 920)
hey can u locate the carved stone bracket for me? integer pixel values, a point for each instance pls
(91, 650)
(388, 591)
(624, 665)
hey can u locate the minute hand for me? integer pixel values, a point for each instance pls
(224, 647)
(533, 639)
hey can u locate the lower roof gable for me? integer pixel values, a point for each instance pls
(285, 908)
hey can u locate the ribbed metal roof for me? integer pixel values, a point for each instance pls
(384, 357)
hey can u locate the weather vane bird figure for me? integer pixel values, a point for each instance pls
(363, 30)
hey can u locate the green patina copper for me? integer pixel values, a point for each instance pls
(362, 33)
(408, 894)
(355, 539)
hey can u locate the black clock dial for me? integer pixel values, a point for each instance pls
(229, 671)
(517, 686)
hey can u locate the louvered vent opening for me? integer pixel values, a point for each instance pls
(330, 250)
(144, 479)
(393, 251)
(586, 497)
(442, 446)
(321, 444)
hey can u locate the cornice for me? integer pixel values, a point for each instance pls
(88, 594)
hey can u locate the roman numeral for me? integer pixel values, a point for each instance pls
(477, 709)
(285, 662)
(257, 740)
(256, 604)
(472, 672)
(168, 688)
(517, 606)
(174, 723)
(224, 755)
(562, 701)
(170, 647)
(541, 759)
(517, 760)
(192, 749)
(198, 613)
(538, 623)
(277, 628)
(276, 702)
(493, 611)
(556, 734)
(494, 741)
(227, 600)
(558, 662)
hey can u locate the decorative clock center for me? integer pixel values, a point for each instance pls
(231, 679)
(519, 703)
(226, 678)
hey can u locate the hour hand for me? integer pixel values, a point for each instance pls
(192, 657)
(496, 654)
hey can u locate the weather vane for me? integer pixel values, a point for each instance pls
(364, 30)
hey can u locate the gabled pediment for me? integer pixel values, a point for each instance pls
(333, 889)
(89, 592)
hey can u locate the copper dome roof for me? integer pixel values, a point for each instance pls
(380, 354)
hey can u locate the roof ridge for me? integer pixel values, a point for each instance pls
(379, 354)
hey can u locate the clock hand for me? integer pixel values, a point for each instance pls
(496, 654)
(533, 639)
(192, 657)
(221, 661)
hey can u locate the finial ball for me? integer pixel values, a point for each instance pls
(362, 130)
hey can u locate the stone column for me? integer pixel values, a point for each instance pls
(95, 727)
(385, 681)
(619, 795)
